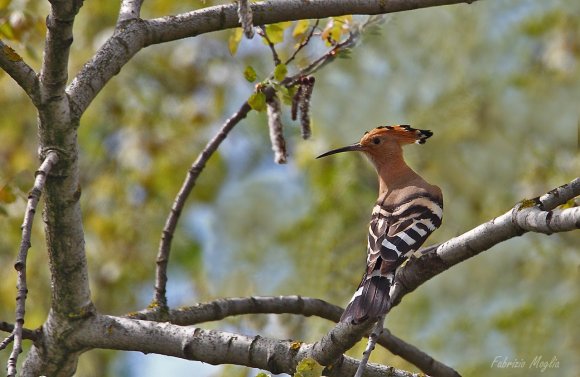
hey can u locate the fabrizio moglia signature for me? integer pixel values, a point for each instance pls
(538, 362)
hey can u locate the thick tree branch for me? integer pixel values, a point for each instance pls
(222, 17)
(22, 73)
(306, 306)
(59, 37)
(212, 347)
(133, 36)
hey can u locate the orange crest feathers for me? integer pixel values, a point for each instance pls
(404, 134)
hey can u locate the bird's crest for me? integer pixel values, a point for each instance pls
(403, 133)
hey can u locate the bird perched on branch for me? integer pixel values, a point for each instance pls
(407, 211)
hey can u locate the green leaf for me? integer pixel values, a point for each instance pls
(287, 94)
(280, 72)
(262, 374)
(308, 367)
(234, 40)
(275, 32)
(300, 28)
(257, 101)
(250, 74)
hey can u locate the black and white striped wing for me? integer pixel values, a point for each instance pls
(408, 226)
(393, 237)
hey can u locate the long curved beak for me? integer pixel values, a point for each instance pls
(348, 148)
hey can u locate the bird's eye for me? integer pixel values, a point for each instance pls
(376, 140)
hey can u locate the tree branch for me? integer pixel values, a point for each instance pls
(208, 346)
(306, 306)
(26, 333)
(130, 10)
(373, 338)
(59, 37)
(20, 265)
(133, 36)
(415, 356)
(160, 299)
(520, 219)
(22, 73)
(262, 33)
(222, 17)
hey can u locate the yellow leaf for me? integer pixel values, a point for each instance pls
(336, 28)
(234, 40)
(300, 28)
(308, 367)
(275, 32)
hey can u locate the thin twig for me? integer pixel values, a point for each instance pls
(26, 333)
(6, 341)
(193, 173)
(262, 33)
(329, 56)
(20, 265)
(373, 338)
(303, 43)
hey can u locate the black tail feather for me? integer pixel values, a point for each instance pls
(370, 300)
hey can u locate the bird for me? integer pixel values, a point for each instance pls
(407, 211)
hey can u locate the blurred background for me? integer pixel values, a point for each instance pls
(498, 82)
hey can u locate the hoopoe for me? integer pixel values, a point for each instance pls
(407, 211)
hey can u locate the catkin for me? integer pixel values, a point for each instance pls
(304, 105)
(276, 129)
(245, 18)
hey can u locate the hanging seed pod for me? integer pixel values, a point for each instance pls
(304, 105)
(296, 101)
(245, 18)
(276, 130)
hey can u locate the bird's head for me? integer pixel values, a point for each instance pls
(384, 140)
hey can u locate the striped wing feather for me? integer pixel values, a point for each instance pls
(394, 234)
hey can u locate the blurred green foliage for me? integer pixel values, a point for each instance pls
(498, 83)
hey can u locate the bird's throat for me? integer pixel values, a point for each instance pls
(394, 173)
